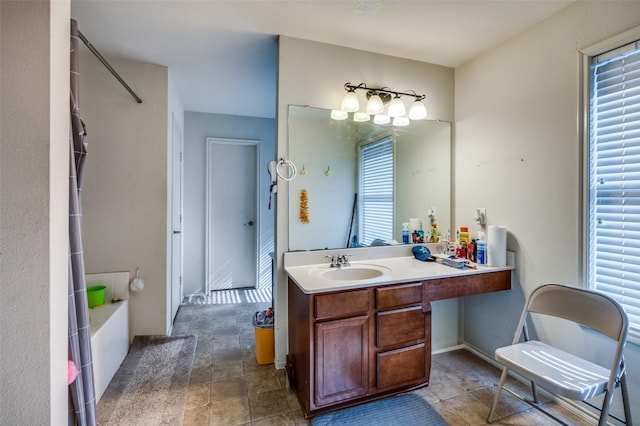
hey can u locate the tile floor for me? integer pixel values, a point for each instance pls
(229, 388)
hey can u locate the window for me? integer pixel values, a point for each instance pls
(375, 181)
(613, 247)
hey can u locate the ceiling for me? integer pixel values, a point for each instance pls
(222, 52)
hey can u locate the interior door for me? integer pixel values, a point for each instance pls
(176, 218)
(231, 214)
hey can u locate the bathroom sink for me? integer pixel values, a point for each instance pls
(358, 272)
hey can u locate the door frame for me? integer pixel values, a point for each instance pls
(176, 130)
(209, 143)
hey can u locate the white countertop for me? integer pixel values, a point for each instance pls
(310, 279)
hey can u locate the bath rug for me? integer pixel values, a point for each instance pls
(406, 409)
(150, 387)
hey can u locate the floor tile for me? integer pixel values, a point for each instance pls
(229, 388)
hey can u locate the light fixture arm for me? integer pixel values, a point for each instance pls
(382, 90)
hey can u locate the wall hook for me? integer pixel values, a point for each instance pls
(328, 172)
(303, 172)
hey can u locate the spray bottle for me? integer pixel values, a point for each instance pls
(481, 249)
(405, 233)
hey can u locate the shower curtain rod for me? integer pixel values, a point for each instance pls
(108, 66)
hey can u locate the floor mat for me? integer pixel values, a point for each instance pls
(150, 387)
(406, 409)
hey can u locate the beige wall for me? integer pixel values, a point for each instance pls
(516, 137)
(34, 152)
(125, 193)
(314, 74)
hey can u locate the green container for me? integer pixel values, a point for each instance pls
(95, 295)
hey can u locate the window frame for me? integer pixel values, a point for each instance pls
(585, 83)
(372, 141)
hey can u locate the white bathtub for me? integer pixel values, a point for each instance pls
(109, 325)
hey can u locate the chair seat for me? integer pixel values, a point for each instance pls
(554, 369)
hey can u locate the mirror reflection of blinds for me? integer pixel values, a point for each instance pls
(376, 191)
(614, 179)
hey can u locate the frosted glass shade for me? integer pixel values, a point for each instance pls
(360, 116)
(381, 119)
(338, 114)
(401, 121)
(350, 102)
(375, 105)
(396, 108)
(417, 111)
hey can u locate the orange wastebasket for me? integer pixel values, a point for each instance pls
(265, 341)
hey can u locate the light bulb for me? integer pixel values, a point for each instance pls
(381, 119)
(375, 105)
(417, 111)
(360, 116)
(401, 121)
(396, 107)
(350, 102)
(338, 114)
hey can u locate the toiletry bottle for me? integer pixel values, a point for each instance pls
(464, 235)
(471, 251)
(405, 233)
(481, 249)
(434, 233)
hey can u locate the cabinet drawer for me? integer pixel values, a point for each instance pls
(348, 303)
(401, 366)
(400, 295)
(400, 326)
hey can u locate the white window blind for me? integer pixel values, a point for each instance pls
(614, 179)
(375, 199)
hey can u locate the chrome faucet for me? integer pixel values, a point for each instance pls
(338, 260)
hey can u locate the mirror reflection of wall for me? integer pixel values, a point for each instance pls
(326, 155)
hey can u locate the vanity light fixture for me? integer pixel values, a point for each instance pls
(375, 105)
(376, 100)
(417, 111)
(350, 101)
(396, 107)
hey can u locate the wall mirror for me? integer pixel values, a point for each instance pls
(326, 153)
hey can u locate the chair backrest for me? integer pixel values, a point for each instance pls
(594, 310)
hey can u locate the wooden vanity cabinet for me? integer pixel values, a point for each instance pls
(351, 346)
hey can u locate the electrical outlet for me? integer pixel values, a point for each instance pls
(432, 214)
(480, 216)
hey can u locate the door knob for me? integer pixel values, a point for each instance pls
(250, 223)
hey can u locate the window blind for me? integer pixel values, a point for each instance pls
(614, 179)
(375, 218)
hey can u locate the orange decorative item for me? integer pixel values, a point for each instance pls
(304, 206)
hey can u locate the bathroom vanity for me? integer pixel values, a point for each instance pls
(363, 332)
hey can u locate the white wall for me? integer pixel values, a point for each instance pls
(516, 136)
(199, 126)
(321, 85)
(125, 193)
(34, 176)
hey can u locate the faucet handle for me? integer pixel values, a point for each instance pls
(334, 259)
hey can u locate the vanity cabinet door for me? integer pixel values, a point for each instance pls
(341, 359)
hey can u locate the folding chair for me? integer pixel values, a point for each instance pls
(560, 372)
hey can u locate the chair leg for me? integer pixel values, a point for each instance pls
(625, 400)
(534, 393)
(503, 377)
(606, 405)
